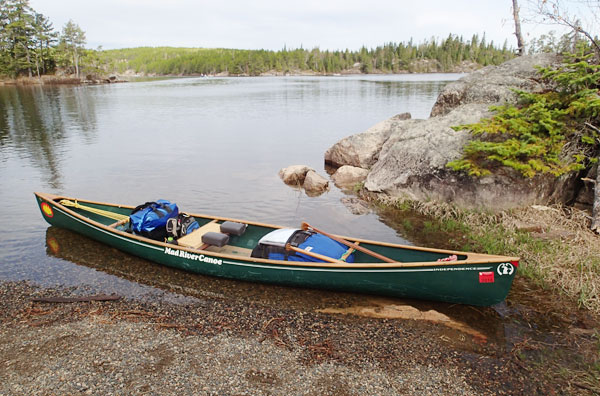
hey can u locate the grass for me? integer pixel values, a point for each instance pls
(557, 249)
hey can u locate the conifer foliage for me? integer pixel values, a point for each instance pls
(551, 132)
(29, 43)
(434, 55)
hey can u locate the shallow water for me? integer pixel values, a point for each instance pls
(213, 145)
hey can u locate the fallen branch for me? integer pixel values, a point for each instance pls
(99, 297)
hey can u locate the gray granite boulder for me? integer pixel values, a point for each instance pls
(294, 175)
(495, 84)
(315, 184)
(408, 158)
(362, 150)
(348, 176)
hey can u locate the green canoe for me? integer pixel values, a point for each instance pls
(378, 268)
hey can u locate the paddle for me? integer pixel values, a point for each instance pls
(311, 254)
(101, 212)
(306, 226)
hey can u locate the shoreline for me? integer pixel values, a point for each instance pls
(558, 250)
(129, 77)
(60, 80)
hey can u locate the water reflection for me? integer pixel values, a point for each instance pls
(36, 122)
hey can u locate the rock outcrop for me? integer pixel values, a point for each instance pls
(362, 150)
(407, 157)
(494, 84)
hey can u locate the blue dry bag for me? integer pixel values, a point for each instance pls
(150, 219)
(323, 245)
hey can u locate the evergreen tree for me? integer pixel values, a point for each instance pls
(45, 38)
(72, 41)
(16, 37)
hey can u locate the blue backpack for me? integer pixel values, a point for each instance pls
(150, 219)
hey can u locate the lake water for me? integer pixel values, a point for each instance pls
(213, 145)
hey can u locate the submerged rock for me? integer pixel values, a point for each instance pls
(355, 206)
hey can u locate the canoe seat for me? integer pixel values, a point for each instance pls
(215, 239)
(194, 239)
(233, 228)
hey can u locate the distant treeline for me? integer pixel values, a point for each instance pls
(451, 54)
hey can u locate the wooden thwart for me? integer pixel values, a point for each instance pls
(119, 223)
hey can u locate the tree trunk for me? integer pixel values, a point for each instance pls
(29, 64)
(596, 207)
(520, 42)
(76, 61)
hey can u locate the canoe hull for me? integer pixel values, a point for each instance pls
(476, 284)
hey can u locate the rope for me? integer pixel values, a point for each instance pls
(101, 212)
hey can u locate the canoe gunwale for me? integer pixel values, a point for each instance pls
(472, 258)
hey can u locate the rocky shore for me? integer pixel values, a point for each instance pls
(406, 158)
(216, 346)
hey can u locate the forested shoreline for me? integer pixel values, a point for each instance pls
(30, 48)
(454, 54)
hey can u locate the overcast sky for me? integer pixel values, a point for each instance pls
(272, 24)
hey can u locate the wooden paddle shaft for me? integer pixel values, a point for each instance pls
(349, 251)
(306, 226)
(311, 254)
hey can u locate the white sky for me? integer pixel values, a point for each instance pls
(271, 24)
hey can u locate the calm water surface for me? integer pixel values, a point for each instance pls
(213, 145)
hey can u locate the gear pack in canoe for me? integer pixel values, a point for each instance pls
(300, 245)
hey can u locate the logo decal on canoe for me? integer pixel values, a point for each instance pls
(47, 210)
(192, 256)
(505, 269)
(486, 277)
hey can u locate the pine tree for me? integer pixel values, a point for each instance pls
(16, 37)
(72, 41)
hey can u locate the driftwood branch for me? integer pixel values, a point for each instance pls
(99, 297)
(588, 180)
